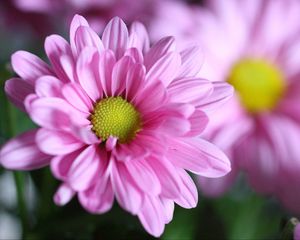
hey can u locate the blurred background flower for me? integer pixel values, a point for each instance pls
(259, 128)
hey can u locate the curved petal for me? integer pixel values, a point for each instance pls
(115, 37)
(48, 86)
(139, 37)
(127, 193)
(158, 50)
(199, 157)
(22, 153)
(199, 121)
(84, 170)
(28, 66)
(17, 90)
(77, 21)
(152, 216)
(144, 176)
(87, 72)
(56, 47)
(86, 37)
(63, 195)
(165, 69)
(57, 142)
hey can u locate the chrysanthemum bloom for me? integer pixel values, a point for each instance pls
(118, 120)
(254, 45)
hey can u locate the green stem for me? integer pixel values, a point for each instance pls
(19, 177)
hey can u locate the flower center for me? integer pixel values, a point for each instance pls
(116, 117)
(259, 84)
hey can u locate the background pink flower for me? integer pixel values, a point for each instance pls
(259, 128)
(119, 119)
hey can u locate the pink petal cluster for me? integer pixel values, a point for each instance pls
(264, 146)
(146, 175)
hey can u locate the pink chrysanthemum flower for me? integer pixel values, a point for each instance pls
(254, 45)
(118, 120)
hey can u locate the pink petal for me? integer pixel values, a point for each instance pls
(111, 143)
(85, 134)
(63, 195)
(135, 79)
(86, 37)
(84, 169)
(119, 75)
(60, 165)
(57, 142)
(48, 86)
(51, 113)
(158, 50)
(191, 90)
(189, 194)
(167, 174)
(127, 193)
(17, 90)
(99, 198)
(115, 37)
(56, 47)
(87, 65)
(106, 63)
(200, 157)
(165, 69)
(221, 94)
(168, 206)
(192, 59)
(139, 37)
(28, 66)
(135, 54)
(22, 153)
(199, 121)
(77, 97)
(77, 21)
(152, 216)
(144, 176)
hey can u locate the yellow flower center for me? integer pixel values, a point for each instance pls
(259, 84)
(116, 117)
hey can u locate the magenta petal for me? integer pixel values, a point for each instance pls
(85, 134)
(22, 153)
(190, 90)
(51, 113)
(144, 176)
(99, 198)
(152, 216)
(111, 143)
(135, 79)
(139, 37)
(169, 179)
(199, 121)
(168, 206)
(119, 75)
(189, 194)
(127, 193)
(48, 86)
(200, 157)
(63, 195)
(56, 47)
(115, 37)
(135, 54)
(77, 97)
(165, 69)
(87, 72)
(86, 37)
(57, 142)
(84, 169)
(28, 66)
(158, 50)
(192, 59)
(17, 90)
(77, 21)
(221, 93)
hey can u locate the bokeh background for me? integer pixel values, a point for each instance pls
(26, 206)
